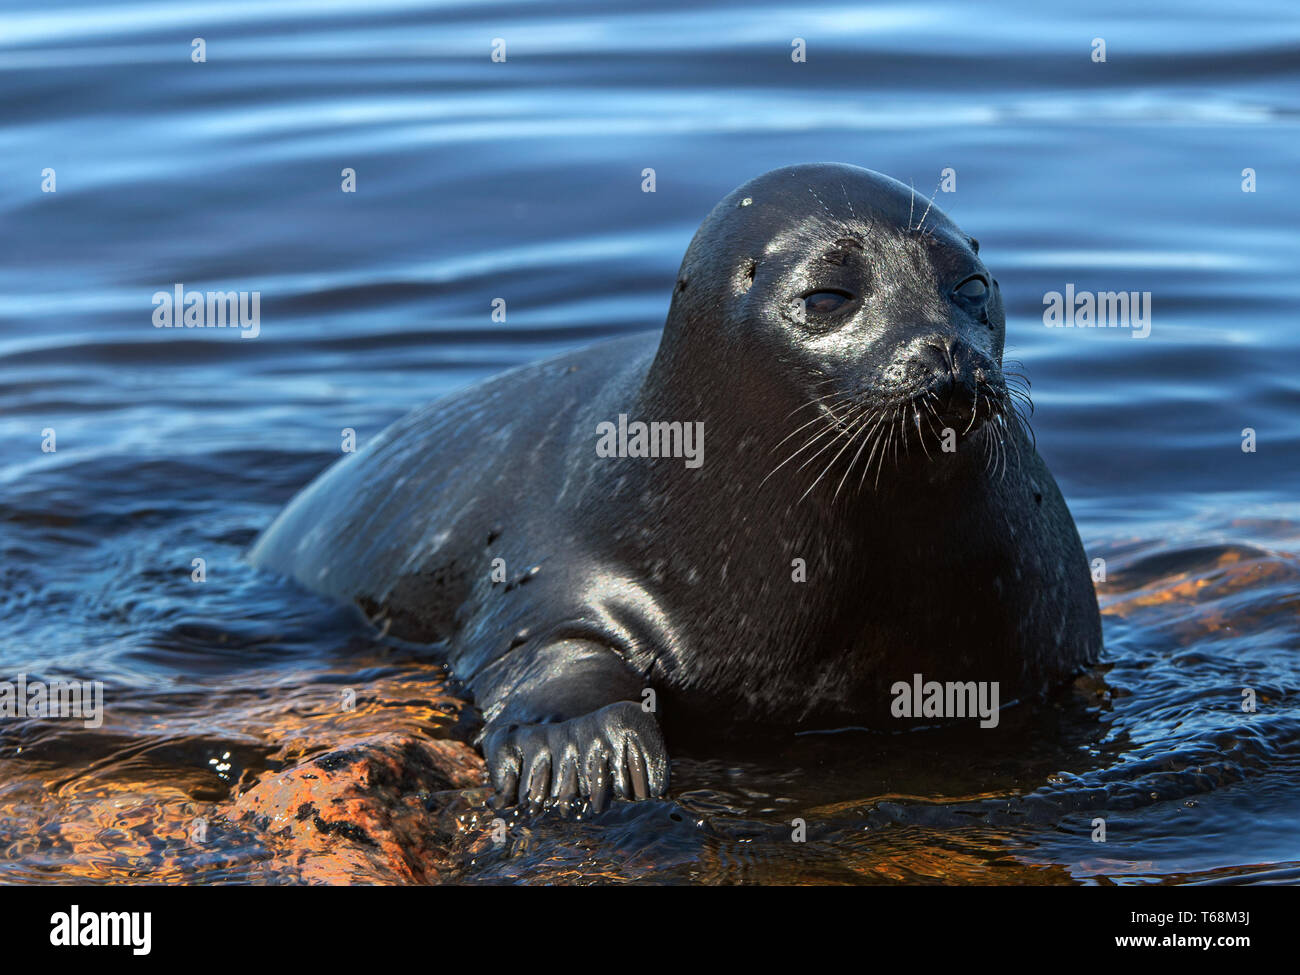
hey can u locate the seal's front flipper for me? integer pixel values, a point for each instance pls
(617, 749)
(563, 723)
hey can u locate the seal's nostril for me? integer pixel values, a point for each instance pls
(944, 388)
(939, 358)
(958, 358)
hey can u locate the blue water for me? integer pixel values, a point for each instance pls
(522, 180)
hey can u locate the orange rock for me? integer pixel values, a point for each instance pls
(362, 812)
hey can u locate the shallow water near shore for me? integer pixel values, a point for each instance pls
(477, 180)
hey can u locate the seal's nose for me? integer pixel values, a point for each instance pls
(953, 374)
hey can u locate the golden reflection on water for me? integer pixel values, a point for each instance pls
(130, 812)
(225, 787)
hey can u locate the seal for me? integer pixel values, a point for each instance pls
(870, 506)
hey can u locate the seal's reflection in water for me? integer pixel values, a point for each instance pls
(942, 805)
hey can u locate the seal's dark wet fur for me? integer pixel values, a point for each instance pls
(833, 332)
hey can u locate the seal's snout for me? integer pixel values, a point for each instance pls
(959, 381)
(952, 380)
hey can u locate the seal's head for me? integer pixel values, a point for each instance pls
(840, 292)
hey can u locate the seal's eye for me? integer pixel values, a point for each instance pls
(973, 289)
(825, 302)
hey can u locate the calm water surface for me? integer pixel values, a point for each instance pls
(522, 180)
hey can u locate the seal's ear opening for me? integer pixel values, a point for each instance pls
(745, 279)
